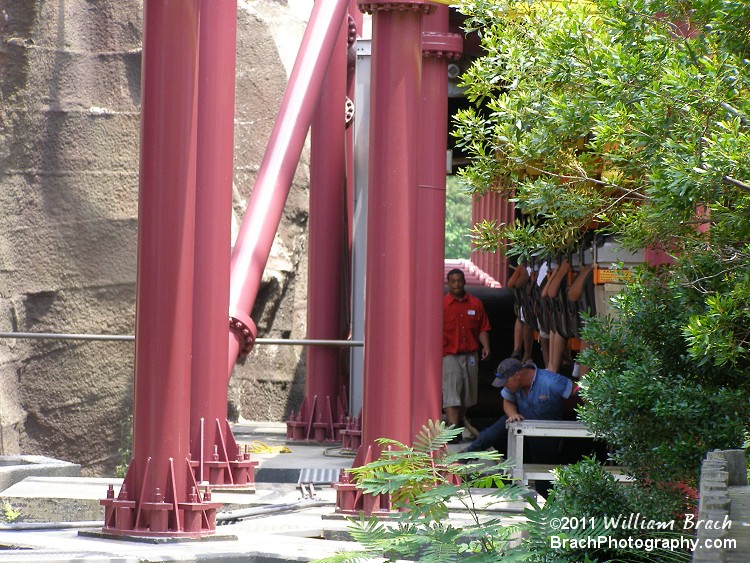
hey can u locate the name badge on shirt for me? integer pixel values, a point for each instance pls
(471, 312)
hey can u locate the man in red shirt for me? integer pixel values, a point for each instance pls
(465, 342)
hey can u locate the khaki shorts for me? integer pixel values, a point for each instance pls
(460, 375)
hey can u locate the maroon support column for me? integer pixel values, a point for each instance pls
(438, 48)
(215, 454)
(355, 31)
(271, 188)
(391, 233)
(324, 403)
(159, 496)
(391, 220)
(496, 207)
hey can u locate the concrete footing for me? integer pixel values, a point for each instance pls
(15, 468)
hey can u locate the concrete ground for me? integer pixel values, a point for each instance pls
(279, 521)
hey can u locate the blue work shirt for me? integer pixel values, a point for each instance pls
(544, 401)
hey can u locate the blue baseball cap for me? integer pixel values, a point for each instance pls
(505, 369)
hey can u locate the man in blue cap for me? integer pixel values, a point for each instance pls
(527, 392)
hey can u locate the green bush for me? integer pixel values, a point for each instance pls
(647, 396)
(588, 495)
(585, 488)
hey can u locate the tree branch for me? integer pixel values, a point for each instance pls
(736, 183)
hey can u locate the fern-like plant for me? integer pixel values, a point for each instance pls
(425, 482)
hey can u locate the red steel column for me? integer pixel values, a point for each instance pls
(158, 496)
(438, 48)
(391, 220)
(276, 172)
(214, 452)
(396, 65)
(497, 207)
(327, 237)
(355, 31)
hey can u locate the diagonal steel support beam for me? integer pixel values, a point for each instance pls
(274, 181)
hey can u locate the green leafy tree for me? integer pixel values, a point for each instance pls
(457, 219)
(630, 118)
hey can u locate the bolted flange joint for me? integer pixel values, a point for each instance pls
(371, 6)
(244, 327)
(351, 31)
(442, 45)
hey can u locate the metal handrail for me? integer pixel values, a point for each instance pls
(131, 338)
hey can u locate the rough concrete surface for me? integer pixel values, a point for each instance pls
(69, 158)
(15, 468)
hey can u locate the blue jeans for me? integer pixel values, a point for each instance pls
(495, 436)
(537, 450)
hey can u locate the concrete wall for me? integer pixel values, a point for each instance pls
(723, 508)
(69, 138)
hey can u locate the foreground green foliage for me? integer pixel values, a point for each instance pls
(586, 489)
(444, 520)
(422, 480)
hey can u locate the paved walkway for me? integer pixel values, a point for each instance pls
(278, 523)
